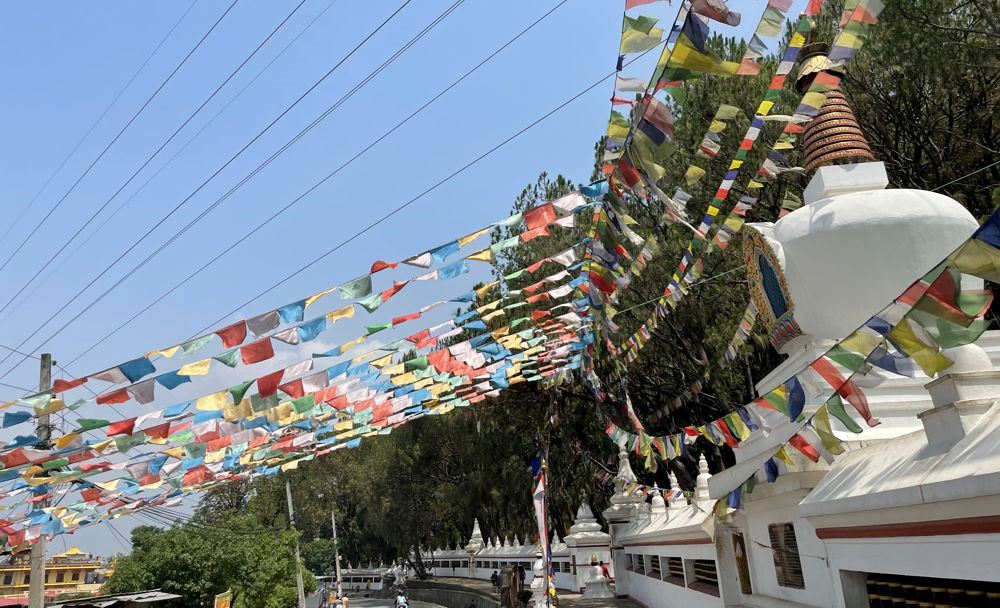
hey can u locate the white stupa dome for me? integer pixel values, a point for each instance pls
(845, 257)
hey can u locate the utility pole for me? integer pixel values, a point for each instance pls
(298, 569)
(36, 588)
(336, 549)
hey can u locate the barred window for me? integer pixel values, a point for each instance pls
(785, 551)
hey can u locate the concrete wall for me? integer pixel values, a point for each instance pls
(782, 508)
(653, 592)
(449, 596)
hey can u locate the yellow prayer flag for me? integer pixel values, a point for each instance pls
(488, 307)
(483, 255)
(198, 368)
(717, 126)
(485, 289)
(347, 312)
(403, 380)
(394, 370)
(166, 352)
(494, 315)
(215, 401)
(783, 456)
(502, 331)
(764, 108)
(381, 361)
(465, 240)
(312, 299)
(814, 99)
(693, 174)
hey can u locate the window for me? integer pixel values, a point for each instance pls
(675, 570)
(61, 577)
(8, 578)
(742, 564)
(653, 566)
(891, 590)
(706, 577)
(785, 550)
(637, 564)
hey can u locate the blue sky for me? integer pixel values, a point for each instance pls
(68, 60)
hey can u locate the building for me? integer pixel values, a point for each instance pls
(72, 571)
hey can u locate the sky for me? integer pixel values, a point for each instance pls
(68, 61)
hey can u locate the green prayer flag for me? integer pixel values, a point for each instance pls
(303, 404)
(125, 443)
(89, 424)
(727, 112)
(414, 364)
(358, 288)
(371, 303)
(835, 406)
(229, 358)
(195, 345)
(373, 329)
(240, 390)
(55, 463)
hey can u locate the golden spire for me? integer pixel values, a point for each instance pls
(833, 136)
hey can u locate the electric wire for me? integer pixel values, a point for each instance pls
(145, 164)
(41, 222)
(54, 270)
(228, 248)
(190, 196)
(79, 143)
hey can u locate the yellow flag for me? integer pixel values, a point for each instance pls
(483, 255)
(166, 352)
(485, 289)
(65, 440)
(488, 307)
(465, 240)
(311, 299)
(783, 456)
(198, 368)
(693, 174)
(347, 312)
(381, 361)
(215, 401)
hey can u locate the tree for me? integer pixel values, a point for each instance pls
(199, 560)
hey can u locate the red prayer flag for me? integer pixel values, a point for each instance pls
(543, 215)
(122, 427)
(534, 233)
(160, 431)
(268, 385)
(293, 389)
(234, 334)
(119, 396)
(846, 388)
(380, 265)
(799, 443)
(405, 318)
(258, 351)
(396, 286)
(59, 385)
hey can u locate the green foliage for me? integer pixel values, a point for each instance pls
(319, 556)
(198, 561)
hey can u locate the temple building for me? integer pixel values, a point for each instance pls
(72, 571)
(909, 514)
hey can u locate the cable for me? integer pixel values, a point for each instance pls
(312, 188)
(198, 189)
(115, 139)
(152, 156)
(403, 206)
(96, 122)
(55, 269)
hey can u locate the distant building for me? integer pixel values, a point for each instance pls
(70, 572)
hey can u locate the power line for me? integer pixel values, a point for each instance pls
(34, 230)
(187, 199)
(55, 269)
(153, 155)
(403, 206)
(96, 122)
(312, 188)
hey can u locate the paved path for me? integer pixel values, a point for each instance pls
(368, 602)
(566, 598)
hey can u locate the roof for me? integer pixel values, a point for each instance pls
(72, 551)
(111, 601)
(906, 471)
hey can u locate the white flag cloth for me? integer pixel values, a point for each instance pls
(565, 258)
(630, 85)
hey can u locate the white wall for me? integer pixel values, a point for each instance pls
(756, 517)
(656, 593)
(963, 557)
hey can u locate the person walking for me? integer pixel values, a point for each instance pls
(520, 577)
(495, 579)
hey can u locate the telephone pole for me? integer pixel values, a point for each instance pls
(336, 550)
(36, 588)
(298, 568)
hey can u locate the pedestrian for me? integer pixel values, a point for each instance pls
(604, 570)
(495, 579)
(520, 576)
(344, 602)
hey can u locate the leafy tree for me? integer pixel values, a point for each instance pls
(198, 560)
